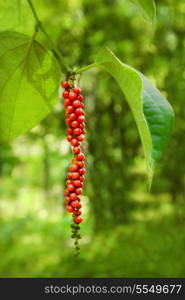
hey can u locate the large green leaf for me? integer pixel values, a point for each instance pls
(148, 9)
(152, 112)
(16, 15)
(29, 78)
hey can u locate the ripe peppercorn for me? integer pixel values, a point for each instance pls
(77, 219)
(78, 191)
(77, 131)
(72, 117)
(80, 164)
(75, 175)
(72, 96)
(74, 142)
(68, 121)
(69, 138)
(66, 94)
(70, 109)
(70, 131)
(67, 102)
(82, 125)
(65, 84)
(80, 97)
(76, 103)
(71, 188)
(75, 204)
(80, 156)
(73, 168)
(81, 119)
(77, 183)
(76, 90)
(79, 111)
(69, 208)
(77, 212)
(74, 124)
(68, 182)
(82, 178)
(73, 196)
(76, 150)
(80, 138)
(82, 171)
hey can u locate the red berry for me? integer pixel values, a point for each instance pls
(76, 150)
(77, 183)
(80, 164)
(81, 119)
(66, 192)
(69, 138)
(82, 125)
(82, 105)
(79, 111)
(80, 156)
(68, 182)
(78, 191)
(77, 90)
(80, 138)
(77, 219)
(76, 103)
(71, 187)
(75, 175)
(67, 200)
(75, 204)
(72, 117)
(67, 102)
(77, 212)
(82, 178)
(80, 97)
(74, 142)
(73, 168)
(70, 131)
(82, 171)
(69, 175)
(70, 109)
(68, 121)
(65, 84)
(73, 196)
(72, 96)
(66, 94)
(75, 124)
(69, 208)
(77, 131)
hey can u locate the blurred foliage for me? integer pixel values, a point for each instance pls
(127, 231)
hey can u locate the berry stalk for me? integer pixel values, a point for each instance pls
(75, 121)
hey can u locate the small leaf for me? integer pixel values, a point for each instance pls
(148, 8)
(152, 112)
(29, 79)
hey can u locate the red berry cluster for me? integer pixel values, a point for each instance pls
(75, 121)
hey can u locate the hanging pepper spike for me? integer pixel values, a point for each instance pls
(75, 120)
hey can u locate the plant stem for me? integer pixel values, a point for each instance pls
(56, 52)
(87, 67)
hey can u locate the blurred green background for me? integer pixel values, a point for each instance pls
(127, 232)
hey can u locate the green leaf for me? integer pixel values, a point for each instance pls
(29, 80)
(148, 8)
(152, 112)
(16, 15)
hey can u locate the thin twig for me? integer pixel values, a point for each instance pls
(56, 52)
